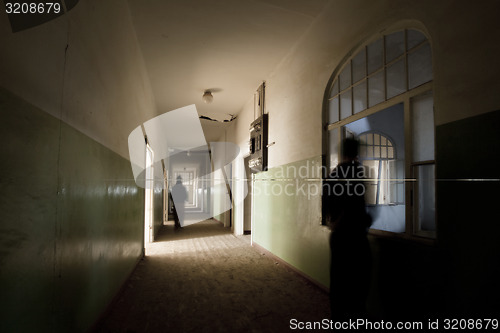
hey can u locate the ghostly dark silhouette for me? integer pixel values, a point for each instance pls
(350, 251)
(179, 196)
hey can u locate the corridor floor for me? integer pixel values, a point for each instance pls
(204, 279)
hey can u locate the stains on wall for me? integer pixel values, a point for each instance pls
(71, 222)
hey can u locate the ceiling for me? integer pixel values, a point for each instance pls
(227, 46)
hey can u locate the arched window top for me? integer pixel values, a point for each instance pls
(379, 71)
(376, 146)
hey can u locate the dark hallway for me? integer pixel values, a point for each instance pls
(104, 104)
(205, 279)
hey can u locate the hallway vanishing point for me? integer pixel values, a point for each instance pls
(204, 279)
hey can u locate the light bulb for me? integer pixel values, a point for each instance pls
(207, 97)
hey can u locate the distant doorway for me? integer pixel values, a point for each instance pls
(247, 203)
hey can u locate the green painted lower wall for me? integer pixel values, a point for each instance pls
(71, 222)
(28, 210)
(287, 217)
(408, 278)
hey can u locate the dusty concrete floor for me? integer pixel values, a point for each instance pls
(204, 279)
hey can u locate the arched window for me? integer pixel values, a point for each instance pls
(378, 155)
(382, 95)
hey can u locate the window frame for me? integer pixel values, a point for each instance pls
(411, 209)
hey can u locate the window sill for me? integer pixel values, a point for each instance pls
(405, 237)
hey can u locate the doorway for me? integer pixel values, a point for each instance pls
(247, 203)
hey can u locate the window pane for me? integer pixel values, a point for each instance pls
(369, 152)
(422, 111)
(374, 56)
(345, 105)
(425, 218)
(384, 195)
(420, 66)
(414, 38)
(396, 79)
(335, 88)
(362, 151)
(359, 66)
(376, 89)
(334, 147)
(359, 97)
(345, 77)
(369, 139)
(384, 152)
(333, 115)
(394, 45)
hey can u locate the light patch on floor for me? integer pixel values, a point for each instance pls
(202, 278)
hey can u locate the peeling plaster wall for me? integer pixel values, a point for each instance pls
(72, 217)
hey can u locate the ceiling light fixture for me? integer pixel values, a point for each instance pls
(207, 96)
